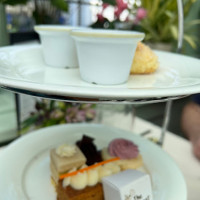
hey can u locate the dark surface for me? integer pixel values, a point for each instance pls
(4, 143)
(23, 37)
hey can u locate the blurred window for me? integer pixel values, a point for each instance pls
(22, 18)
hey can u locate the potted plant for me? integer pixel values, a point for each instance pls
(158, 19)
(50, 112)
(125, 15)
(47, 12)
(161, 23)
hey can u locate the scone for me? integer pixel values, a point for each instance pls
(145, 60)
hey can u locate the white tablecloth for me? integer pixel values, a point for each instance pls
(180, 150)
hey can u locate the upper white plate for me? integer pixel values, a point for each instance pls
(25, 173)
(22, 69)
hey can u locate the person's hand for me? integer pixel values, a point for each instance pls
(196, 147)
(190, 124)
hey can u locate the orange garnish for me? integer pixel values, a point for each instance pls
(87, 168)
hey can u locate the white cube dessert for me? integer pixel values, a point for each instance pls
(128, 185)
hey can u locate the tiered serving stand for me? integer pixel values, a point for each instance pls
(22, 71)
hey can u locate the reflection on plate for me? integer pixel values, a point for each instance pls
(23, 68)
(25, 173)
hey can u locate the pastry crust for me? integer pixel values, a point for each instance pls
(88, 193)
(145, 60)
(134, 163)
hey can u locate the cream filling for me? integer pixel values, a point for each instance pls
(67, 180)
(79, 181)
(93, 177)
(90, 177)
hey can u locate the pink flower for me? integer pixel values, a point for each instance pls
(80, 117)
(121, 6)
(71, 114)
(141, 13)
(105, 5)
(100, 17)
(117, 13)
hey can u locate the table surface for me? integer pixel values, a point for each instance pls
(179, 149)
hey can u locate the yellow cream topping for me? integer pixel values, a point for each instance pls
(90, 177)
(66, 150)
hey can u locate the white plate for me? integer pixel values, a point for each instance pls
(22, 69)
(25, 173)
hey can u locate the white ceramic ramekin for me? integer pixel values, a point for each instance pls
(58, 46)
(105, 56)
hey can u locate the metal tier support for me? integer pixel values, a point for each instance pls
(179, 47)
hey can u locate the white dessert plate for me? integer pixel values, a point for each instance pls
(25, 173)
(22, 69)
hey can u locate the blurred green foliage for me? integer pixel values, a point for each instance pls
(161, 23)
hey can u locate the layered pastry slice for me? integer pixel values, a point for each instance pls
(64, 158)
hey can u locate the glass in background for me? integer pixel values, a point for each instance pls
(8, 117)
(118, 116)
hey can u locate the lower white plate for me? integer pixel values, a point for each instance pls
(25, 173)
